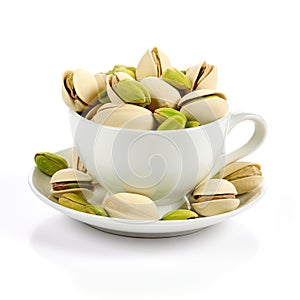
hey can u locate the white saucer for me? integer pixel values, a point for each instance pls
(40, 185)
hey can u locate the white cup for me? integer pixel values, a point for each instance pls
(163, 165)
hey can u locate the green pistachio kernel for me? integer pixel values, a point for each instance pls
(172, 123)
(190, 124)
(131, 91)
(179, 214)
(177, 79)
(49, 163)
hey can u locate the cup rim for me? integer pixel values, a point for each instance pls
(74, 113)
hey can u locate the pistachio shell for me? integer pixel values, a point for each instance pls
(214, 187)
(247, 184)
(130, 206)
(162, 94)
(125, 116)
(204, 106)
(101, 81)
(49, 163)
(215, 207)
(71, 181)
(111, 81)
(88, 114)
(80, 89)
(245, 176)
(153, 63)
(179, 214)
(203, 76)
(76, 162)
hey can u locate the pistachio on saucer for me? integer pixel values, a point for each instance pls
(130, 206)
(204, 106)
(245, 176)
(153, 63)
(49, 163)
(179, 214)
(79, 89)
(71, 180)
(216, 196)
(79, 203)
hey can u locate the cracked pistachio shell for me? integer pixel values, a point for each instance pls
(162, 94)
(125, 116)
(245, 176)
(214, 187)
(73, 201)
(177, 79)
(49, 163)
(179, 214)
(71, 181)
(89, 113)
(215, 207)
(161, 114)
(172, 123)
(79, 89)
(203, 76)
(153, 63)
(204, 106)
(111, 81)
(130, 206)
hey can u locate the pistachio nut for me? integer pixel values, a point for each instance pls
(172, 123)
(190, 124)
(125, 116)
(203, 76)
(177, 79)
(215, 196)
(95, 210)
(73, 201)
(163, 113)
(122, 89)
(131, 91)
(49, 163)
(125, 69)
(162, 94)
(73, 181)
(130, 206)
(79, 89)
(179, 214)
(153, 63)
(245, 176)
(204, 106)
(101, 81)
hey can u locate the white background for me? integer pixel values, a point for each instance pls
(45, 255)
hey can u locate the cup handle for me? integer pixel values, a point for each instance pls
(254, 142)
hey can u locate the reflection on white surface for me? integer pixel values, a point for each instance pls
(71, 244)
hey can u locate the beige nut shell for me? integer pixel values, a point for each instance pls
(215, 187)
(130, 206)
(162, 94)
(243, 184)
(125, 116)
(208, 79)
(215, 207)
(153, 63)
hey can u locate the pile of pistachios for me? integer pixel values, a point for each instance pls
(151, 96)
(72, 187)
